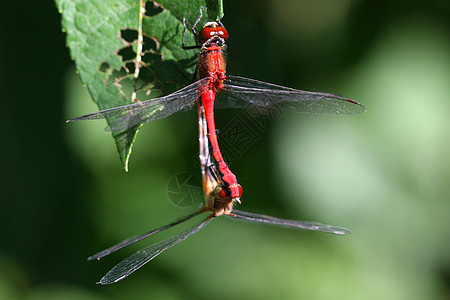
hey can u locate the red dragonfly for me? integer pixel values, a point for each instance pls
(217, 203)
(216, 88)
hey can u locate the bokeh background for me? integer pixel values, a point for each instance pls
(385, 174)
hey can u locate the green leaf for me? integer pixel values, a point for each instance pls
(122, 51)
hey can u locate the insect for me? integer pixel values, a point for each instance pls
(215, 88)
(217, 203)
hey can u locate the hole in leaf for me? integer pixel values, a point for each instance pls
(116, 76)
(152, 9)
(127, 53)
(129, 35)
(130, 67)
(148, 44)
(104, 67)
(151, 57)
(123, 80)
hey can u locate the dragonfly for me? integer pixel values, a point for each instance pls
(215, 89)
(218, 203)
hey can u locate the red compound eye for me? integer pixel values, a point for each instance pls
(207, 33)
(240, 190)
(212, 30)
(222, 32)
(221, 193)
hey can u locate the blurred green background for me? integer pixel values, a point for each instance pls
(385, 174)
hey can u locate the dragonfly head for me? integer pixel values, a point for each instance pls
(224, 192)
(223, 201)
(213, 33)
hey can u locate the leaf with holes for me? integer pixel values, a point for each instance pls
(125, 49)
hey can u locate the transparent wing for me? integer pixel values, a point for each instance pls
(258, 218)
(140, 258)
(239, 92)
(138, 238)
(125, 117)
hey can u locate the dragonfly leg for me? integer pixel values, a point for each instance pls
(183, 45)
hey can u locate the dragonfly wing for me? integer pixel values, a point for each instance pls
(140, 258)
(242, 92)
(138, 238)
(252, 217)
(125, 117)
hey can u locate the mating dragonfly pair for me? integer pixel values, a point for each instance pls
(220, 186)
